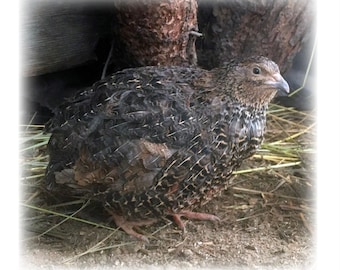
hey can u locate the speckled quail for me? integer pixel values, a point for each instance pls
(151, 142)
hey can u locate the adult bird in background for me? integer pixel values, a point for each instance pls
(151, 142)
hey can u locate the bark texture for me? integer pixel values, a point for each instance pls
(275, 29)
(158, 32)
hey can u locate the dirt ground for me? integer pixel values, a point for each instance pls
(266, 223)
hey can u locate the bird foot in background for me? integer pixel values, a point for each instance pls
(128, 226)
(192, 215)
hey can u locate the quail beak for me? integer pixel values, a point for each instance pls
(280, 84)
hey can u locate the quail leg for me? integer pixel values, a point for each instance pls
(192, 215)
(128, 226)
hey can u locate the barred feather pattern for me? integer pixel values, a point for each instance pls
(152, 141)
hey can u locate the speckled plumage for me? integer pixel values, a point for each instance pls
(155, 141)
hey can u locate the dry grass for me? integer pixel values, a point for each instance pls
(276, 186)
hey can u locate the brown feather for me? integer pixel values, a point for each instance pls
(156, 141)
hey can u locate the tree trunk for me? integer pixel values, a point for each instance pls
(158, 32)
(238, 28)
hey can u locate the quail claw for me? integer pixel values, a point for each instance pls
(192, 215)
(128, 226)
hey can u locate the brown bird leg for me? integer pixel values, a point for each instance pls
(128, 226)
(192, 215)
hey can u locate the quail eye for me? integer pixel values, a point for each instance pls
(256, 70)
